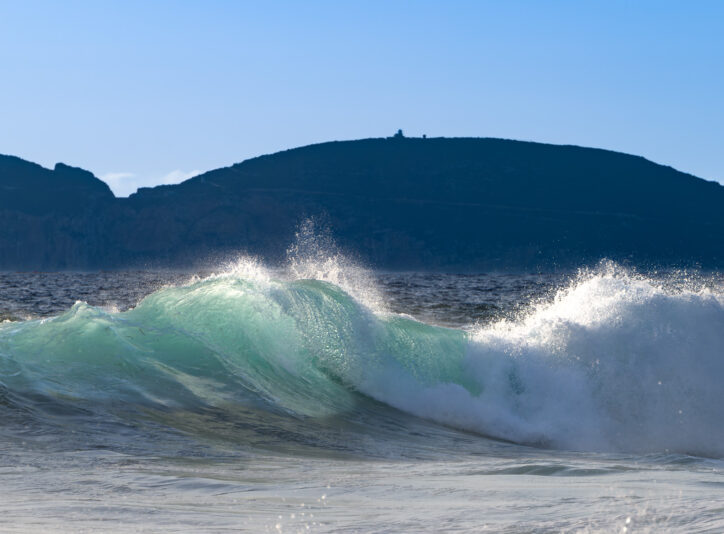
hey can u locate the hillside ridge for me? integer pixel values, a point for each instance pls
(458, 204)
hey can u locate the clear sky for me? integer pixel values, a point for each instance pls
(148, 92)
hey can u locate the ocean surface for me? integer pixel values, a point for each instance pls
(323, 397)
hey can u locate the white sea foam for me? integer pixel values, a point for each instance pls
(614, 362)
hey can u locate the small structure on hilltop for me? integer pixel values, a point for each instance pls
(399, 134)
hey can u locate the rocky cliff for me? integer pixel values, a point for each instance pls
(442, 204)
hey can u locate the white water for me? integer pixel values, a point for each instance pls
(616, 362)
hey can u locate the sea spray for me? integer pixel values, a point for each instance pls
(315, 255)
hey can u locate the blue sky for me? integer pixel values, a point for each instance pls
(151, 92)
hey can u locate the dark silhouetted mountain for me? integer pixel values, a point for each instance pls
(400, 203)
(30, 188)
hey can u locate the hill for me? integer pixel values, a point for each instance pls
(458, 204)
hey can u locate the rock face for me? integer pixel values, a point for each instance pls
(402, 203)
(48, 218)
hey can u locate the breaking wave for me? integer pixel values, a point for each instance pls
(613, 362)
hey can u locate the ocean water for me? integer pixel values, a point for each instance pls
(325, 398)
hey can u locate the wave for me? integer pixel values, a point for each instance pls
(613, 362)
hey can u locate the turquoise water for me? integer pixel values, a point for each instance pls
(324, 398)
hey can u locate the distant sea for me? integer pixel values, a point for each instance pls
(327, 398)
